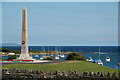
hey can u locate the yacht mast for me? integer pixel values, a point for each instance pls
(99, 52)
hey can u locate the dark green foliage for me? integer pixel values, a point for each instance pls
(11, 57)
(72, 56)
(48, 58)
(16, 51)
(5, 50)
(75, 56)
(82, 58)
(36, 51)
(11, 51)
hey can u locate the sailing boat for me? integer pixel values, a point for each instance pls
(108, 59)
(56, 56)
(89, 59)
(61, 55)
(99, 61)
(41, 58)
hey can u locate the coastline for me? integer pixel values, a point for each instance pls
(43, 53)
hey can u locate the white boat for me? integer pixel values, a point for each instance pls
(36, 56)
(41, 58)
(62, 55)
(100, 62)
(108, 59)
(44, 54)
(89, 59)
(57, 58)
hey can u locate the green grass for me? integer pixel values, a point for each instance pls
(79, 66)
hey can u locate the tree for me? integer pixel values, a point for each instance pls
(82, 58)
(75, 56)
(11, 57)
(5, 50)
(48, 58)
(12, 51)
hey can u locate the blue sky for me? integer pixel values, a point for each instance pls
(62, 23)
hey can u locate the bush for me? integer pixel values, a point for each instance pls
(12, 51)
(75, 56)
(82, 58)
(5, 50)
(48, 58)
(11, 57)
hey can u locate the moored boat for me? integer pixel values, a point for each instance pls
(100, 62)
(36, 56)
(41, 58)
(56, 58)
(62, 55)
(89, 59)
(108, 59)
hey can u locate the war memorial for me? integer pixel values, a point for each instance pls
(25, 57)
(29, 74)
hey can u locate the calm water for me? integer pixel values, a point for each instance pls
(109, 51)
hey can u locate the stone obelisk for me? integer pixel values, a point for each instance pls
(24, 44)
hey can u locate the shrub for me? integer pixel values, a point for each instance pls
(82, 58)
(75, 56)
(12, 51)
(11, 57)
(5, 50)
(48, 58)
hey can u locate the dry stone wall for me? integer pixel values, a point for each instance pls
(18, 74)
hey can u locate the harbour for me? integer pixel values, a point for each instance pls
(87, 51)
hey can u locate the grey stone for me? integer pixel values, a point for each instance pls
(51, 72)
(101, 75)
(63, 72)
(85, 74)
(108, 74)
(90, 74)
(98, 74)
(57, 72)
(69, 72)
(35, 74)
(114, 75)
(75, 72)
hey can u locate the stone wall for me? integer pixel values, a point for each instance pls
(18, 74)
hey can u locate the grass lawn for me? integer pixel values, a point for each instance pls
(79, 66)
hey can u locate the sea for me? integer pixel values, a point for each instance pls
(89, 51)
